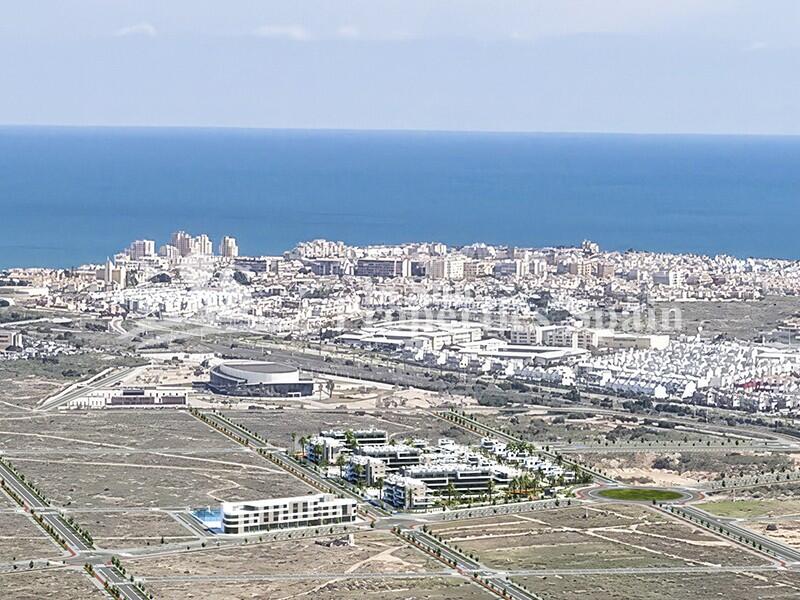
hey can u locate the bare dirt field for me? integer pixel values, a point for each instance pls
(63, 584)
(277, 426)
(372, 552)
(20, 539)
(112, 482)
(600, 536)
(742, 320)
(137, 459)
(131, 528)
(667, 586)
(416, 588)
(683, 468)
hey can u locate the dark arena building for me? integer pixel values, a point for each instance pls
(259, 378)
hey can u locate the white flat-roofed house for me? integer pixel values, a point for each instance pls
(281, 513)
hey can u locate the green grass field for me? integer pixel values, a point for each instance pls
(640, 494)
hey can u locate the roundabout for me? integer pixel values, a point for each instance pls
(641, 494)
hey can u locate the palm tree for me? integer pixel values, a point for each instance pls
(451, 492)
(490, 490)
(294, 437)
(340, 461)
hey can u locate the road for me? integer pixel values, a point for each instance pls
(236, 429)
(23, 491)
(665, 448)
(81, 389)
(127, 590)
(49, 515)
(781, 551)
(468, 566)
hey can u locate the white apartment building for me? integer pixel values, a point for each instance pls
(406, 492)
(281, 513)
(228, 247)
(365, 469)
(202, 245)
(446, 268)
(171, 253)
(142, 248)
(182, 241)
(566, 336)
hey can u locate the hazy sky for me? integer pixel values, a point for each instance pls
(718, 66)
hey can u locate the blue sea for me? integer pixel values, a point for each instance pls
(75, 195)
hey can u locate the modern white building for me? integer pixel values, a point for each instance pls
(228, 247)
(132, 398)
(141, 249)
(425, 334)
(407, 492)
(259, 378)
(312, 510)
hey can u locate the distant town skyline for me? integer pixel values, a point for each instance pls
(627, 66)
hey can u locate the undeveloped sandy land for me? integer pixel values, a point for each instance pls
(63, 584)
(20, 539)
(109, 482)
(372, 552)
(683, 586)
(738, 319)
(600, 536)
(131, 528)
(683, 469)
(277, 426)
(109, 459)
(427, 588)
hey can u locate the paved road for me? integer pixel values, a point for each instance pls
(190, 523)
(81, 389)
(127, 590)
(44, 510)
(781, 551)
(73, 539)
(31, 500)
(469, 566)
(683, 448)
(236, 429)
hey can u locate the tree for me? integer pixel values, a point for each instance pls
(340, 462)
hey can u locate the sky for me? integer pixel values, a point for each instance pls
(627, 66)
